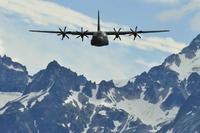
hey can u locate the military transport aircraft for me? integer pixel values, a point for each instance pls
(99, 38)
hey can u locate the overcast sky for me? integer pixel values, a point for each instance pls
(121, 59)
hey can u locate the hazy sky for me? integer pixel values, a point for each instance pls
(119, 60)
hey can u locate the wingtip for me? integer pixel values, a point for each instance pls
(32, 31)
(166, 30)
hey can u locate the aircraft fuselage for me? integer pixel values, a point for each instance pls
(99, 39)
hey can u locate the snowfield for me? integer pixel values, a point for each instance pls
(187, 66)
(148, 113)
(6, 97)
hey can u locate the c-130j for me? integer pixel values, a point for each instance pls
(99, 37)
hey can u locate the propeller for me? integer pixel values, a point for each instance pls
(135, 33)
(82, 34)
(117, 35)
(63, 33)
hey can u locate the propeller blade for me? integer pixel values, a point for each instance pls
(132, 30)
(67, 36)
(120, 38)
(117, 33)
(65, 29)
(82, 34)
(63, 37)
(114, 29)
(136, 29)
(86, 31)
(60, 30)
(135, 33)
(135, 37)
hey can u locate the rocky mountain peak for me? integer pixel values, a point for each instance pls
(10, 64)
(60, 78)
(53, 64)
(14, 76)
(192, 48)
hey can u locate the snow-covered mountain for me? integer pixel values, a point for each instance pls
(13, 80)
(56, 99)
(13, 76)
(187, 118)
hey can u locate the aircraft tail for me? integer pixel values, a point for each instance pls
(98, 28)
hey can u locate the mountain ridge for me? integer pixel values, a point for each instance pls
(68, 102)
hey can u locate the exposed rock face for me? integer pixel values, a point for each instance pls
(13, 76)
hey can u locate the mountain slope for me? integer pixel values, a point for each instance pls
(59, 89)
(13, 76)
(59, 100)
(187, 119)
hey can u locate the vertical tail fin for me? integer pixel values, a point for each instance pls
(98, 28)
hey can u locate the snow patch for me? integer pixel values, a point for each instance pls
(142, 95)
(73, 98)
(117, 124)
(29, 80)
(129, 119)
(33, 97)
(170, 131)
(132, 80)
(11, 67)
(37, 96)
(111, 95)
(3, 110)
(161, 89)
(120, 83)
(187, 66)
(21, 109)
(5, 97)
(148, 113)
(63, 125)
(102, 112)
(188, 113)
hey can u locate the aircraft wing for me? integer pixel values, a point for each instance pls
(134, 32)
(64, 33)
(152, 31)
(67, 32)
